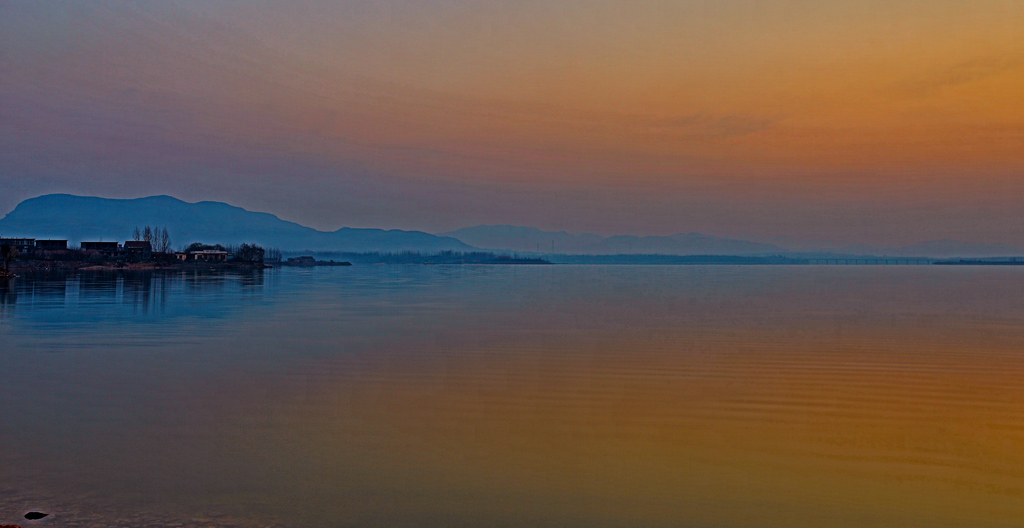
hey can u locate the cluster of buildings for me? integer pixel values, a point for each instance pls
(29, 245)
(131, 250)
(205, 255)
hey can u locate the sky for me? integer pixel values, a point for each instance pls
(843, 121)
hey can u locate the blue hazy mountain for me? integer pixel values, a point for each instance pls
(681, 244)
(531, 239)
(79, 218)
(518, 238)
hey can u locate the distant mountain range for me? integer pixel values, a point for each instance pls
(531, 239)
(79, 218)
(516, 238)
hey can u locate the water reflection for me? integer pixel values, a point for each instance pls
(560, 396)
(143, 291)
(8, 293)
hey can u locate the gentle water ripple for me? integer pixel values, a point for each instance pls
(504, 396)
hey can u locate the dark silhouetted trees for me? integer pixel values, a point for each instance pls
(165, 242)
(159, 238)
(249, 253)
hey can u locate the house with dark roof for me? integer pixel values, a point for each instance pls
(22, 244)
(51, 245)
(106, 248)
(138, 250)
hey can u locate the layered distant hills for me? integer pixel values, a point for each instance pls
(530, 239)
(516, 238)
(79, 218)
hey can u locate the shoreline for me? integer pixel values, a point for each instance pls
(48, 266)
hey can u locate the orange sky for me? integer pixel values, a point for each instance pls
(908, 112)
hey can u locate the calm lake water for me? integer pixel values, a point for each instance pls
(425, 396)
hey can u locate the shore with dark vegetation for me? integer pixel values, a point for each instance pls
(1008, 261)
(31, 256)
(78, 265)
(132, 256)
(80, 260)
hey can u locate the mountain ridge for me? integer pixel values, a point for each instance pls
(522, 238)
(78, 218)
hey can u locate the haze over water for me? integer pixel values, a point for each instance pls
(519, 396)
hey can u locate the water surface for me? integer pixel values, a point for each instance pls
(516, 396)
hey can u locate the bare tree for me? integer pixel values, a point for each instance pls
(137, 235)
(147, 234)
(165, 241)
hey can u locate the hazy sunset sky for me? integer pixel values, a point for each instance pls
(882, 122)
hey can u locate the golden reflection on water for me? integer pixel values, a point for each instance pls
(767, 397)
(765, 429)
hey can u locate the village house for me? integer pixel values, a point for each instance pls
(21, 244)
(138, 250)
(206, 255)
(51, 245)
(106, 248)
